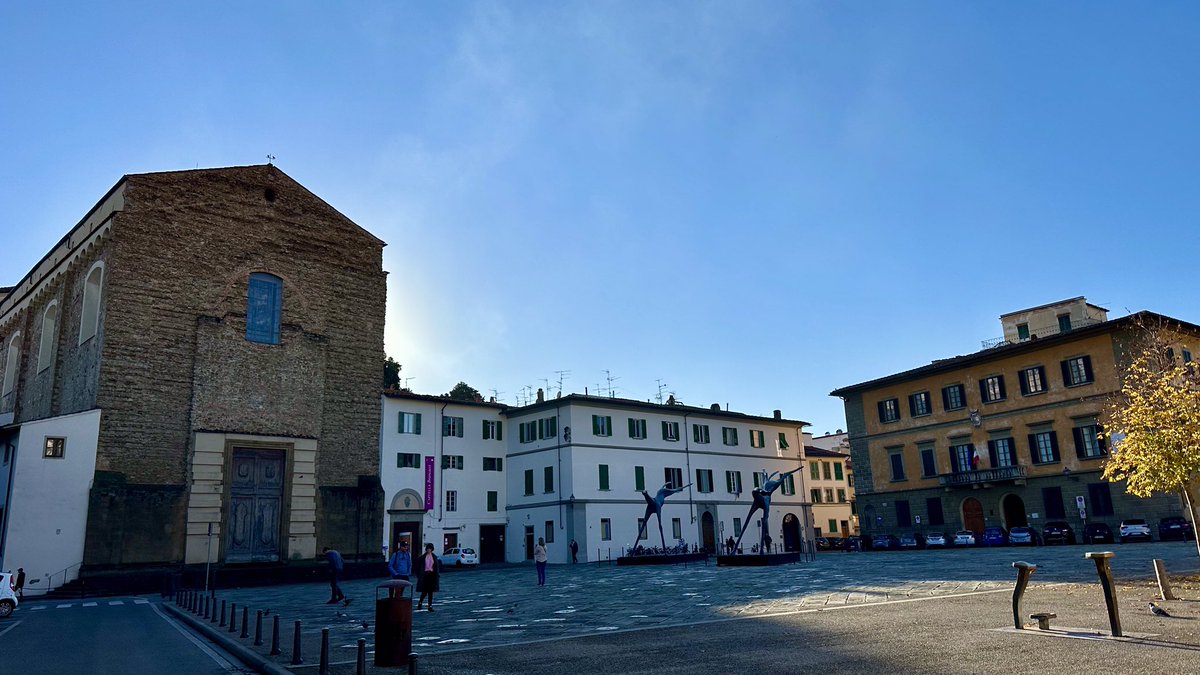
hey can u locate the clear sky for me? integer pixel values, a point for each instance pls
(753, 202)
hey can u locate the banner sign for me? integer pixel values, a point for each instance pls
(428, 483)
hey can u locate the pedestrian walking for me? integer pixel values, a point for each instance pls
(429, 570)
(400, 566)
(336, 565)
(574, 551)
(20, 587)
(539, 559)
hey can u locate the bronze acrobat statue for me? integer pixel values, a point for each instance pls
(762, 500)
(654, 507)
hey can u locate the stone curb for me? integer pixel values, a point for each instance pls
(244, 654)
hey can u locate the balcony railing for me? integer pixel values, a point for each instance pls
(996, 475)
(1042, 331)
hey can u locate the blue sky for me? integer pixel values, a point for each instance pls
(753, 202)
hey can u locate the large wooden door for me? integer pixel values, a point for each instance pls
(972, 512)
(255, 502)
(491, 543)
(708, 534)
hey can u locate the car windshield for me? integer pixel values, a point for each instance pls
(1135, 522)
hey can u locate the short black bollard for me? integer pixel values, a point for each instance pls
(412, 663)
(1024, 571)
(222, 612)
(323, 666)
(233, 617)
(297, 658)
(1110, 590)
(275, 650)
(206, 612)
(360, 667)
(258, 628)
(246, 623)
(213, 618)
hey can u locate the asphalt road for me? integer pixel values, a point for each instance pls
(105, 636)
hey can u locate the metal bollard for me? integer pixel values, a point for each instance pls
(206, 612)
(412, 663)
(213, 618)
(233, 617)
(360, 667)
(222, 625)
(275, 650)
(1110, 591)
(258, 628)
(323, 665)
(1024, 571)
(246, 623)
(297, 658)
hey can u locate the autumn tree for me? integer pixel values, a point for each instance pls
(1154, 424)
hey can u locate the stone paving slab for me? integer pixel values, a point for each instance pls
(501, 606)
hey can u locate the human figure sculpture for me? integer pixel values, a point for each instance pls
(762, 500)
(654, 507)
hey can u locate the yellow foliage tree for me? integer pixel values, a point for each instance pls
(1154, 426)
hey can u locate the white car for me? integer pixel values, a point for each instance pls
(459, 557)
(8, 595)
(964, 538)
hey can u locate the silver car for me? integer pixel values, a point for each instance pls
(8, 596)
(964, 538)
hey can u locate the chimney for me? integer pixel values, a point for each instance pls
(715, 407)
(541, 396)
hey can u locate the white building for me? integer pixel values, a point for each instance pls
(497, 478)
(577, 466)
(442, 470)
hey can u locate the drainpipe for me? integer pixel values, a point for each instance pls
(687, 453)
(441, 494)
(558, 448)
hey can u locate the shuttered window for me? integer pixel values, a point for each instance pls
(264, 308)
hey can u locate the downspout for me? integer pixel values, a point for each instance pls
(687, 453)
(558, 445)
(441, 486)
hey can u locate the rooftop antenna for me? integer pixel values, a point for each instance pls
(270, 160)
(562, 375)
(545, 386)
(495, 394)
(407, 380)
(612, 392)
(661, 388)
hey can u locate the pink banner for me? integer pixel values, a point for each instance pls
(428, 483)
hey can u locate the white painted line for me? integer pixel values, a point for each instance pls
(114, 603)
(36, 608)
(90, 604)
(63, 606)
(10, 627)
(141, 602)
(221, 661)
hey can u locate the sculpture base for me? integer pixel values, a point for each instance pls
(662, 559)
(758, 560)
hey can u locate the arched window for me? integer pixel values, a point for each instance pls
(10, 364)
(264, 308)
(89, 320)
(49, 337)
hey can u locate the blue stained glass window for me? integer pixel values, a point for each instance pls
(264, 308)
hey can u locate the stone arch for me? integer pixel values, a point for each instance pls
(407, 500)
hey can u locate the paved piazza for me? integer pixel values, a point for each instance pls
(503, 605)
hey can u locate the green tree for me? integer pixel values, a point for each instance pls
(1154, 424)
(465, 392)
(391, 374)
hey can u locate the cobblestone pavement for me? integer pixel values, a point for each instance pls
(504, 606)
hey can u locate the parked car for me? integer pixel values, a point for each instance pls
(1175, 527)
(1135, 529)
(995, 536)
(964, 538)
(935, 540)
(885, 542)
(854, 543)
(1058, 532)
(912, 540)
(459, 557)
(1097, 533)
(823, 544)
(1024, 536)
(8, 595)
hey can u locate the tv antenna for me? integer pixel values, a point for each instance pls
(562, 375)
(407, 380)
(495, 394)
(661, 388)
(608, 377)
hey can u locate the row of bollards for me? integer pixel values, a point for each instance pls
(204, 605)
(1107, 584)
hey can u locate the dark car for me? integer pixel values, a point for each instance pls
(823, 544)
(885, 542)
(854, 543)
(995, 536)
(1097, 533)
(912, 540)
(1175, 527)
(1024, 536)
(1058, 532)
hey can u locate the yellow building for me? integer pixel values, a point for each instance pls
(1007, 436)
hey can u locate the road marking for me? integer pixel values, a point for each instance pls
(63, 606)
(115, 603)
(36, 608)
(141, 602)
(10, 627)
(222, 662)
(90, 604)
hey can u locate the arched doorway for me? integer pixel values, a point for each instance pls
(708, 534)
(972, 515)
(791, 533)
(1014, 512)
(406, 514)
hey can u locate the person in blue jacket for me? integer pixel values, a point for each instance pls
(400, 566)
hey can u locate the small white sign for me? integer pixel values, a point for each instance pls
(1034, 516)
(1079, 502)
(918, 519)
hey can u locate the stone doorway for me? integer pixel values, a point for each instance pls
(791, 532)
(1014, 512)
(708, 534)
(972, 515)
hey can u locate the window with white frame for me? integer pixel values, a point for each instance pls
(637, 428)
(451, 501)
(733, 482)
(673, 476)
(676, 528)
(991, 389)
(55, 447)
(452, 426)
(789, 485)
(408, 460)
(493, 463)
(757, 439)
(954, 397)
(1044, 446)
(737, 527)
(700, 433)
(493, 430)
(704, 480)
(729, 436)
(670, 431)
(919, 404)
(605, 529)
(1089, 444)
(410, 423)
(1077, 371)
(1033, 380)
(601, 425)
(815, 495)
(889, 410)
(452, 462)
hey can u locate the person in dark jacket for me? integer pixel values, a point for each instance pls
(336, 565)
(429, 570)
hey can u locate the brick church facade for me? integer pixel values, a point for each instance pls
(202, 350)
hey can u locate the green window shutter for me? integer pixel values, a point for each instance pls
(815, 469)
(603, 476)
(595, 425)
(783, 441)
(757, 479)
(837, 470)
(632, 429)
(664, 429)
(484, 423)
(528, 481)
(459, 427)
(729, 481)
(417, 426)
(445, 461)
(399, 460)
(499, 430)
(608, 424)
(492, 498)
(639, 478)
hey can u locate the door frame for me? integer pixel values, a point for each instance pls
(285, 498)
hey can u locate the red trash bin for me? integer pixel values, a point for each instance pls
(393, 624)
